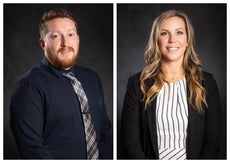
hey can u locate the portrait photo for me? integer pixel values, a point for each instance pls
(39, 121)
(148, 37)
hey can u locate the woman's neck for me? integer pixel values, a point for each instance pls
(172, 72)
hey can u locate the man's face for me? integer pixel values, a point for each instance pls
(61, 43)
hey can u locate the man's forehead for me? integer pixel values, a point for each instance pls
(61, 23)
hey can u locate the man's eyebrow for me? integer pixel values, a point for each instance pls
(72, 29)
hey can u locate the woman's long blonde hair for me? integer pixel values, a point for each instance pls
(191, 64)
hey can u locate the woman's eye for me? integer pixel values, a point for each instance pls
(163, 33)
(180, 33)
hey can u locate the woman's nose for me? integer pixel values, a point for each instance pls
(172, 39)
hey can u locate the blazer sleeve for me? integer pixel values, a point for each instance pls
(211, 139)
(130, 125)
(26, 111)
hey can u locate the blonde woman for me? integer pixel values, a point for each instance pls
(171, 108)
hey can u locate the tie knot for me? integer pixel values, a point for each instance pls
(69, 75)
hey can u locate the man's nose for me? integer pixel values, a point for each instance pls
(63, 41)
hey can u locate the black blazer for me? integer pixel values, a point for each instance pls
(138, 125)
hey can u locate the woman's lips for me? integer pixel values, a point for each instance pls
(172, 48)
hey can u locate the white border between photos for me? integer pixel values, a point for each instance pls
(115, 2)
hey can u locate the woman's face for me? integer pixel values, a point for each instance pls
(172, 39)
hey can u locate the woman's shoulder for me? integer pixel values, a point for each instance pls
(207, 75)
(135, 76)
(134, 80)
(209, 82)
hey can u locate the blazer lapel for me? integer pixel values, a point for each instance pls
(195, 131)
(151, 118)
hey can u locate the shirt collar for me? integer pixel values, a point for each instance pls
(55, 71)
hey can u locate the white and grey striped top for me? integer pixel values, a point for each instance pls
(172, 120)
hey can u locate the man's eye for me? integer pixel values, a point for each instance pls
(55, 36)
(71, 34)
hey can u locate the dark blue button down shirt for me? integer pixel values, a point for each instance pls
(46, 118)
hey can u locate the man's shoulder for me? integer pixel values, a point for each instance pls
(32, 75)
(78, 68)
(84, 72)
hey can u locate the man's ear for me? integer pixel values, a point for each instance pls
(78, 38)
(42, 43)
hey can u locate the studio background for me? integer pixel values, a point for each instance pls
(134, 22)
(22, 50)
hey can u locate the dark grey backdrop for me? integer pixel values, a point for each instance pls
(134, 23)
(22, 51)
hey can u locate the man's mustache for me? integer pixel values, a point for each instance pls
(65, 49)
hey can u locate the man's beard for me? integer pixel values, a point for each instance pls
(66, 63)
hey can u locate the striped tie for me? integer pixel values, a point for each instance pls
(90, 134)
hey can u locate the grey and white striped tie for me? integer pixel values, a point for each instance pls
(90, 133)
